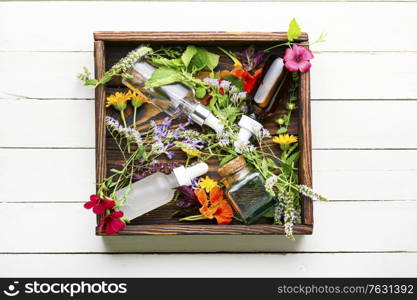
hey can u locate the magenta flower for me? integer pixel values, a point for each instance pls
(298, 58)
(99, 204)
(112, 223)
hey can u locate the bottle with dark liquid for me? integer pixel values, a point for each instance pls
(266, 97)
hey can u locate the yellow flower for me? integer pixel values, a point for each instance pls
(208, 184)
(118, 100)
(190, 151)
(138, 98)
(285, 139)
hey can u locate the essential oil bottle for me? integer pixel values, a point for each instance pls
(245, 190)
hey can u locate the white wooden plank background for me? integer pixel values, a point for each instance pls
(364, 91)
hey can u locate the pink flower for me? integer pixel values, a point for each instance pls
(298, 58)
(112, 223)
(99, 205)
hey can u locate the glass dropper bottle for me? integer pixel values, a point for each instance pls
(174, 99)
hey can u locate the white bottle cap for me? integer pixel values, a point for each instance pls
(214, 123)
(248, 126)
(186, 175)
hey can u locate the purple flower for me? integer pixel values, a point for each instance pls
(166, 122)
(187, 199)
(181, 127)
(195, 183)
(190, 121)
(170, 154)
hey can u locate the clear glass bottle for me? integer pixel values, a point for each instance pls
(174, 99)
(245, 190)
(157, 189)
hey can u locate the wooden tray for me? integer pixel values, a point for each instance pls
(109, 47)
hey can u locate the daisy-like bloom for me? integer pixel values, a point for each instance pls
(112, 224)
(138, 98)
(225, 85)
(208, 184)
(99, 205)
(298, 58)
(118, 100)
(285, 139)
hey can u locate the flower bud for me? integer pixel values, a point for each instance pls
(290, 106)
(280, 121)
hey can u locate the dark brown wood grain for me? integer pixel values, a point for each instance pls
(100, 112)
(305, 171)
(111, 46)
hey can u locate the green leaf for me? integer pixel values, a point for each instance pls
(212, 61)
(293, 158)
(163, 76)
(188, 55)
(200, 92)
(226, 159)
(175, 63)
(199, 60)
(234, 81)
(282, 130)
(294, 30)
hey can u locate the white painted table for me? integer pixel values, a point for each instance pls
(364, 107)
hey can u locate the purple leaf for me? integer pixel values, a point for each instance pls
(187, 197)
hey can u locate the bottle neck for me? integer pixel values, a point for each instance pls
(236, 176)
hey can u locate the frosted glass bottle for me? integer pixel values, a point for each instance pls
(174, 99)
(157, 190)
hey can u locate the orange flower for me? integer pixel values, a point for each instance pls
(216, 206)
(238, 71)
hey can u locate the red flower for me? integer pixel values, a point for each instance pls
(99, 205)
(112, 223)
(298, 58)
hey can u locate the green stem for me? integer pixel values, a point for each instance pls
(193, 218)
(122, 114)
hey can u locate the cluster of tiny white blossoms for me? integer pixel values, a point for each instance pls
(126, 62)
(288, 212)
(263, 134)
(224, 138)
(244, 146)
(270, 183)
(211, 81)
(130, 134)
(308, 192)
(236, 98)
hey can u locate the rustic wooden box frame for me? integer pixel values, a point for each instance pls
(229, 38)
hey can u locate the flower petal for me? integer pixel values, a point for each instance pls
(201, 196)
(108, 203)
(307, 55)
(292, 65)
(304, 66)
(117, 214)
(216, 195)
(89, 204)
(289, 54)
(117, 225)
(95, 198)
(98, 209)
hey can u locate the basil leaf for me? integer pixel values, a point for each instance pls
(163, 76)
(199, 60)
(188, 55)
(165, 62)
(212, 61)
